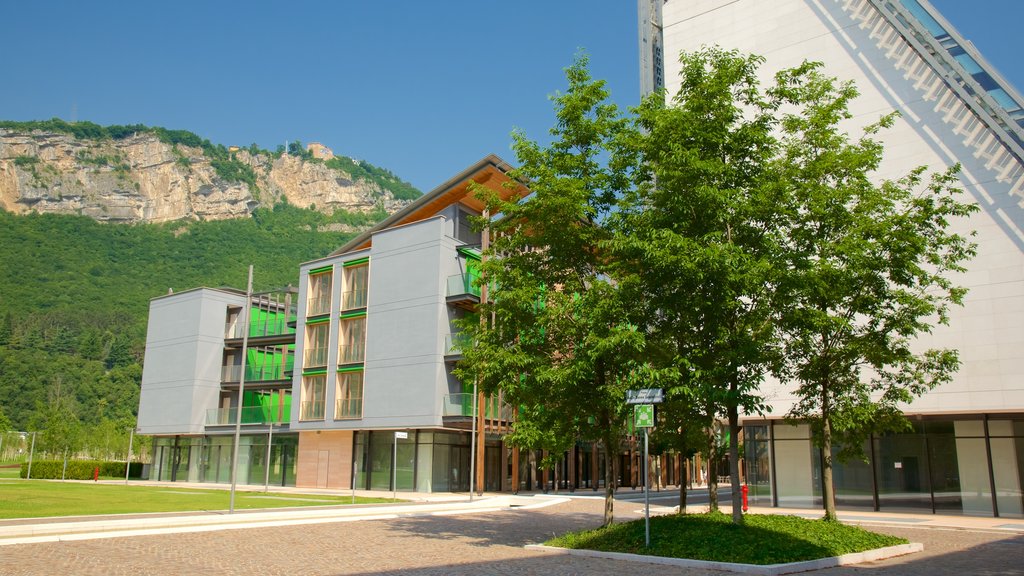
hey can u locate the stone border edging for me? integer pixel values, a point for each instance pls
(756, 569)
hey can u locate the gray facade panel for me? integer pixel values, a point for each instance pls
(184, 353)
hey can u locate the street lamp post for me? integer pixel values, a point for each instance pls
(128, 461)
(241, 388)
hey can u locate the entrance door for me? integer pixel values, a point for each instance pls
(458, 460)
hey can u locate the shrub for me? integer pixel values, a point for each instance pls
(25, 161)
(78, 469)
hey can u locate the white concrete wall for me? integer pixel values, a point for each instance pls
(934, 131)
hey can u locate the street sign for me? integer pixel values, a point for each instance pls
(645, 396)
(643, 415)
(401, 435)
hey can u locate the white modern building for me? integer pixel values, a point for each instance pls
(347, 380)
(966, 452)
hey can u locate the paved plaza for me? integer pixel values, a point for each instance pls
(484, 542)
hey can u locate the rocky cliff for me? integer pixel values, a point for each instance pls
(139, 178)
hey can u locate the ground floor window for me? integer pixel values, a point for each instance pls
(208, 459)
(427, 461)
(972, 465)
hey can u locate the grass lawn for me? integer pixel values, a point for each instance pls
(6, 473)
(41, 498)
(764, 539)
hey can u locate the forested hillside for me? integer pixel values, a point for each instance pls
(74, 297)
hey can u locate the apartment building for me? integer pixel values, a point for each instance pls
(347, 379)
(965, 454)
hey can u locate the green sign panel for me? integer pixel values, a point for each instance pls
(643, 415)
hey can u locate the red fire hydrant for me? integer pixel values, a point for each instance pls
(96, 477)
(744, 490)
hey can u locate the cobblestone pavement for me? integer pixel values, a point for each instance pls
(475, 544)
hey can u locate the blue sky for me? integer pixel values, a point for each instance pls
(423, 88)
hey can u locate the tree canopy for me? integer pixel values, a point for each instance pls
(705, 242)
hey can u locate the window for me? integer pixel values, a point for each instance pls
(350, 396)
(319, 301)
(464, 231)
(355, 287)
(352, 343)
(317, 336)
(313, 389)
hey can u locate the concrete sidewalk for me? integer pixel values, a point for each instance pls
(629, 504)
(35, 530)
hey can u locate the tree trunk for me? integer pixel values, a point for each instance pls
(609, 484)
(682, 488)
(828, 491)
(734, 464)
(712, 466)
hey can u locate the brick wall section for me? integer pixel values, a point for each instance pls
(325, 459)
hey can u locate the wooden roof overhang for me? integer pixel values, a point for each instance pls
(491, 172)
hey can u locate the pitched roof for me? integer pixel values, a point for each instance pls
(491, 171)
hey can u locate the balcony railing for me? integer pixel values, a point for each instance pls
(353, 299)
(462, 405)
(271, 327)
(351, 354)
(312, 410)
(461, 284)
(314, 357)
(455, 343)
(250, 415)
(349, 409)
(318, 305)
(254, 373)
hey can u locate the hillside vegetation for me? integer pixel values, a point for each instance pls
(74, 297)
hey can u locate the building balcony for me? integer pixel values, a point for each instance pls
(265, 373)
(353, 299)
(270, 327)
(462, 291)
(454, 344)
(350, 409)
(314, 357)
(250, 415)
(312, 410)
(318, 306)
(351, 354)
(461, 405)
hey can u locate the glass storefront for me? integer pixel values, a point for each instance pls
(428, 461)
(208, 459)
(943, 466)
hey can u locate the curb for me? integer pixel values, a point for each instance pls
(756, 569)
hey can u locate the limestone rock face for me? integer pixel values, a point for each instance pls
(141, 179)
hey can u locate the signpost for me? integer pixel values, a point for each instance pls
(643, 402)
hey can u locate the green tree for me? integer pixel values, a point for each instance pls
(698, 236)
(5, 422)
(560, 345)
(6, 329)
(869, 268)
(60, 430)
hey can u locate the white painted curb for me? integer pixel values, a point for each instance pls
(114, 527)
(760, 570)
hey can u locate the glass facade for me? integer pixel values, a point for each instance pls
(944, 466)
(208, 459)
(428, 461)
